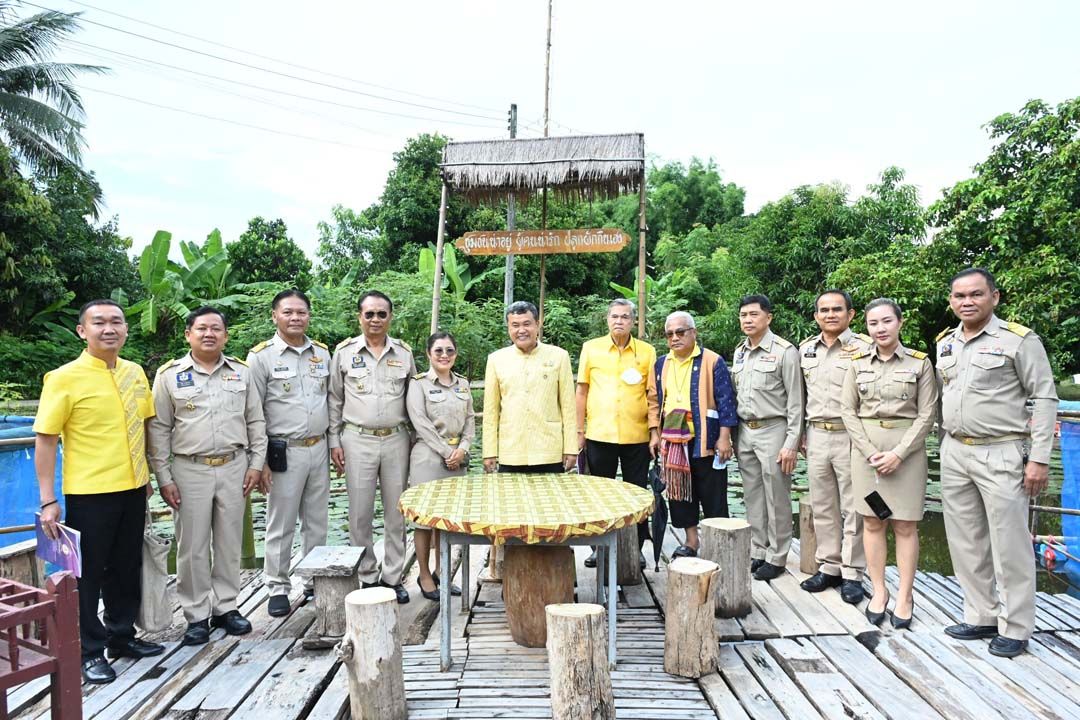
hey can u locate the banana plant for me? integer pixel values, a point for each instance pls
(457, 275)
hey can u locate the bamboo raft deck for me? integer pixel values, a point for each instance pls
(796, 655)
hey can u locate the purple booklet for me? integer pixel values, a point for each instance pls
(63, 552)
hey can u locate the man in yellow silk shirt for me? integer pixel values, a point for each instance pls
(617, 413)
(529, 407)
(99, 404)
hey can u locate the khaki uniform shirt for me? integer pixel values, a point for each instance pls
(902, 387)
(824, 369)
(442, 412)
(368, 391)
(987, 380)
(201, 413)
(292, 385)
(768, 384)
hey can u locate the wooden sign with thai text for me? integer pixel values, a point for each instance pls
(542, 242)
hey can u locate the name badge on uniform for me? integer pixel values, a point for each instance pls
(946, 351)
(769, 358)
(358, 361)
(393, 363)
(184, 379)
(810, 354)
(631, 376)
(436, 391)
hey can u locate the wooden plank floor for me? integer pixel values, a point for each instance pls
(796, 655)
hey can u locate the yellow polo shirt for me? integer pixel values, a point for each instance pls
(99, 415)
(677, 383)
(621, 404)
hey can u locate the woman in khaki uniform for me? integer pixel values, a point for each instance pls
(440, 408)
(888, 405)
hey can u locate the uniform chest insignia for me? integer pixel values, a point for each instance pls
(992, 351)
(739, 358)
(227, 377)
(184, 379)
(358, 361)
(314, 359)
(849, 348)
(286, 386)
(946, 351)
(189, 405)
(810, 354)
(315, 367)
(393, 363)
(847, 355)
(769, 358)
(549, 363)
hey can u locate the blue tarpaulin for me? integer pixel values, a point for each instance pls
(18, 481)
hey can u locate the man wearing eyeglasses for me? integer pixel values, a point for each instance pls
(370, 435)
(769, 387)
(698, 405)
(529, 407)
(617, 413)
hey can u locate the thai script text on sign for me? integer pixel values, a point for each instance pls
(542, 242)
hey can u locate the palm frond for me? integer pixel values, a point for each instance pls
(53, 82)
(34, 38)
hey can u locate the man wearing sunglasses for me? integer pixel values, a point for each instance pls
(769, 386)
(698, 408)
(370, 435)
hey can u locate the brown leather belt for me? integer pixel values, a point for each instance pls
(756, 424)
(829, 425)
(212, 460)
(889, 423)
(988, 440)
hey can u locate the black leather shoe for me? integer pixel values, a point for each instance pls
(400, 591)
(590, 562)
(233, 622)
(683, 551)
(851, 592)
(820, 581)
(641, 562)
(900, 623)
(135, 648)
(755, 564)
(1007, 647)
(97, 671)
(768, 571)
(366, 585)
(309, 594)
(197, 633)
(964, 631)
(278, 606)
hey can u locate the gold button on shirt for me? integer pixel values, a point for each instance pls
(621, 404)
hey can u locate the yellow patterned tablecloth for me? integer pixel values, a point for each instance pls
(533, 508)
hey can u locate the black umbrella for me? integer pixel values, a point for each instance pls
(658, 521)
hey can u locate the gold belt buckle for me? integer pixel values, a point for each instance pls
(886, 424)
(969, 441)
(753, 424)
(382, 432)
(453, 441)
(215, 460)
(308, 442)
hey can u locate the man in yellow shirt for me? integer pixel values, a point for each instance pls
(617, 413)
(98, 404)
(529, 406)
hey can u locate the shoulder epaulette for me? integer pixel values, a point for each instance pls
(942, 334)
(261, 346)
(345, 342)
(807, 340)
(1017, 329)
(781, 341)
(168, 365)
(403, 344)
(865, 338)
(322, 345)
(917, 354)
(236, 360)
(418, 376)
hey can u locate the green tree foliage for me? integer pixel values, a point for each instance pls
(351, 243)
(1019, 216)
(41, 112)
(265, 253)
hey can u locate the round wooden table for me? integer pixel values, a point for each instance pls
(543, 509)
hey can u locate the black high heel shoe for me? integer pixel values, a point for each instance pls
(900, 623)
(876, 618)
(454, 589)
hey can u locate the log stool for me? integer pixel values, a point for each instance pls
(726, 542)
(333, 569)
(691, 648)
(807, 538)
(629, 563)
(577, 655)
(535, 576)
(371, 653)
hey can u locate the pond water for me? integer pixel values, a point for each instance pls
(934, 549)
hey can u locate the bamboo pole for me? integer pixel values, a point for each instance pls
(440, 238)
(543, 258)
(642, 228)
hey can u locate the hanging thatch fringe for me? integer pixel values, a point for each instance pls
(573, 167)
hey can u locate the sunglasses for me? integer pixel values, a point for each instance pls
(381, 314)
(448, 352)
(676, 333)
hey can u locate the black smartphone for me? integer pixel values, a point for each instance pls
(277, 454)
(878, 505)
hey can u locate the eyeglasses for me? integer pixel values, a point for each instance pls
(677, 332)
(448, 352)
(381, 314)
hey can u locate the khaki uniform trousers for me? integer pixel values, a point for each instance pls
(986, 517)
(383, 460)
(302, 490)
(766, 491)
(837, 526)
(209, 533)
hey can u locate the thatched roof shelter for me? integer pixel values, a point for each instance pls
(574, 166)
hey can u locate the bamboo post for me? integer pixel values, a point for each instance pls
(440, 240)
(577, 656)
(642, 230)
(629, 565)
(807, 538)
(726, 542)
(691, 647)
(543, 257)
(371, 653)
